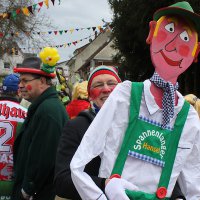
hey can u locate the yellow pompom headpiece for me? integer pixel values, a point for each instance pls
(49, 57)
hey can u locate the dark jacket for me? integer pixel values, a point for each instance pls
(36, 145)
(177, 193)
(72, 135)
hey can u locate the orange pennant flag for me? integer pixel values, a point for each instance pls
(13, 50)
(25, 11)
(5, 15)
(99, 27)
(47, 3)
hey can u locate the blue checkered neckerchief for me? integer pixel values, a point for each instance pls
(168, 100)
(95, 108)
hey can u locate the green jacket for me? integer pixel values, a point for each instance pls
(36, 145)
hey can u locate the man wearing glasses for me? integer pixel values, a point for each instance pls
(36, 144)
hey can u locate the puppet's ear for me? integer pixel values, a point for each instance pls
(197, 53)
(152, 26)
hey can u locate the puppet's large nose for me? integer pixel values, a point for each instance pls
(171, 46)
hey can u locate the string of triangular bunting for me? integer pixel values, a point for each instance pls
(13, 49)
(27, 10)
(55, 32)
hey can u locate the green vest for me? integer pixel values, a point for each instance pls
(149, 142)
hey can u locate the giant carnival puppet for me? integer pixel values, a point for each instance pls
(147, 135)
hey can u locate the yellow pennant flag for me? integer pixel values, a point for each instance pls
(25, 11)
(71, 30)
(47, 3)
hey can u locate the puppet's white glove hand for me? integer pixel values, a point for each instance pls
(115, 189)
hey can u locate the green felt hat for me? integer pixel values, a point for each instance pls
(183, 9)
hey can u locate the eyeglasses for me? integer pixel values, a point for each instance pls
(109, 84)
(25, 81)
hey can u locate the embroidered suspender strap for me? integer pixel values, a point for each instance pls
(136, 95)
(174, 140)
(134, 126)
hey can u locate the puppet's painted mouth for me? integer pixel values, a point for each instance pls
(169, 61)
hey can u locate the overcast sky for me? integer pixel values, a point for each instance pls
(76, 14)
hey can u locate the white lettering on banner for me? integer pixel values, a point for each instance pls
(152, 133)
(137, 147)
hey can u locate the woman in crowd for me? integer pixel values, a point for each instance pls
(79, 99)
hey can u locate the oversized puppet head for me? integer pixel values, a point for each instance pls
(173, 40)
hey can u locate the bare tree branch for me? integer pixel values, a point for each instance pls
(18, 31)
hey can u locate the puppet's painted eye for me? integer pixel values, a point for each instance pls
(184, 36)
(170, 27)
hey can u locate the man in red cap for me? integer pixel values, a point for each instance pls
(147, 135)
(36, 144)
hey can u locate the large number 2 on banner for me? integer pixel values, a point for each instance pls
(6, 133)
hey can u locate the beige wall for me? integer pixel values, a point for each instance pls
(94, 46)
